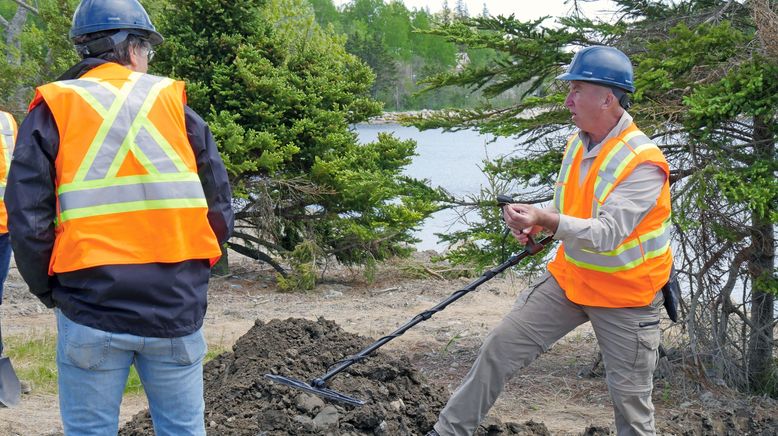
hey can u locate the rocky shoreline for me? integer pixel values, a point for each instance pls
(394, 117)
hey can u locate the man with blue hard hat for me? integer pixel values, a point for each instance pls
(118, 204)
(611, 211)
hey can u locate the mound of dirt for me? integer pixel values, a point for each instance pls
(743, 421)
(240, 401)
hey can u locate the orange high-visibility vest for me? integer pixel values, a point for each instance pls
(126, 176)
(630, 275)
(7, 140)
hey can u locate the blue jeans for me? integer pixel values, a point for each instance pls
(5, 260)
(93, 367)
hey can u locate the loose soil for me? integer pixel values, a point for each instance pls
(406, 382)
(239, 401)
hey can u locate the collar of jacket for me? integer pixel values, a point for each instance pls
(81, 68)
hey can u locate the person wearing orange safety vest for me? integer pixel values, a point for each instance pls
(119, 204)
(611, 211)
(7, 140)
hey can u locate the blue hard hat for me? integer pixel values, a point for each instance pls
(100, 15)
(602, 65)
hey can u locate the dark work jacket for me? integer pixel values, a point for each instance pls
(155, 299)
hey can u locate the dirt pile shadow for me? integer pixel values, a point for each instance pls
(240, 401)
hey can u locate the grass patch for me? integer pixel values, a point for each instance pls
(34, 359)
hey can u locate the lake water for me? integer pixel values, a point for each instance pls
(450, 160)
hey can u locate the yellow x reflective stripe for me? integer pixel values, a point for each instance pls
(125, 127)
(564, 172)
(617, 157)
(7, 132)
(96, 189)
(142, 122)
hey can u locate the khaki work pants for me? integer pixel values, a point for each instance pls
(628, 338)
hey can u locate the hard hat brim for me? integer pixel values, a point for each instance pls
(153, 36)
(570, 77)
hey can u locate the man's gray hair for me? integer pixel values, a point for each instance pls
(120, 52)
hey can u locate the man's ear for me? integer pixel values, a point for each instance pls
(135, 57)
(610, 99)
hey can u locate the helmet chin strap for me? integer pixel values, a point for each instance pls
(103, 45)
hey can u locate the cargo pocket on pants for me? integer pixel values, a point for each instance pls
(529, 290)
(647, 354)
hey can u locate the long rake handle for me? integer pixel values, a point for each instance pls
(530, 249)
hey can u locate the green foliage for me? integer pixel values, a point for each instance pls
(397, 45)
(325, 11)
(484, 244)
(755, 187)
(767, 384)
(303, 264)
(43, 54)
(453, 340)
(748, 89)
(280, 92)
(667, 65)
(34, 359)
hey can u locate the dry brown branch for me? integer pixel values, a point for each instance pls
(433, 273)
(766, 21)
(384, 291)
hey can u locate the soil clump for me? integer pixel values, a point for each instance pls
(240, 401)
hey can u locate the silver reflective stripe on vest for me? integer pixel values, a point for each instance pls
(574, 145)
(120, 128)
(130, 193)
(100, 95)
(606, 176)
(155, 153)
(125, 126)
(627, 256)
(126, 129)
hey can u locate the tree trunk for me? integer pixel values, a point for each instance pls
(12, 33)
(761, 270)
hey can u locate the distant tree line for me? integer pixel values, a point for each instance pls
(395, 42)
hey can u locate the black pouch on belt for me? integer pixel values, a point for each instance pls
(672, 293)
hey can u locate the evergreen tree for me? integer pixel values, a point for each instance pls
(279, 94)
(326, 12)
(365, 39)
(445, 13)
(460, 10)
